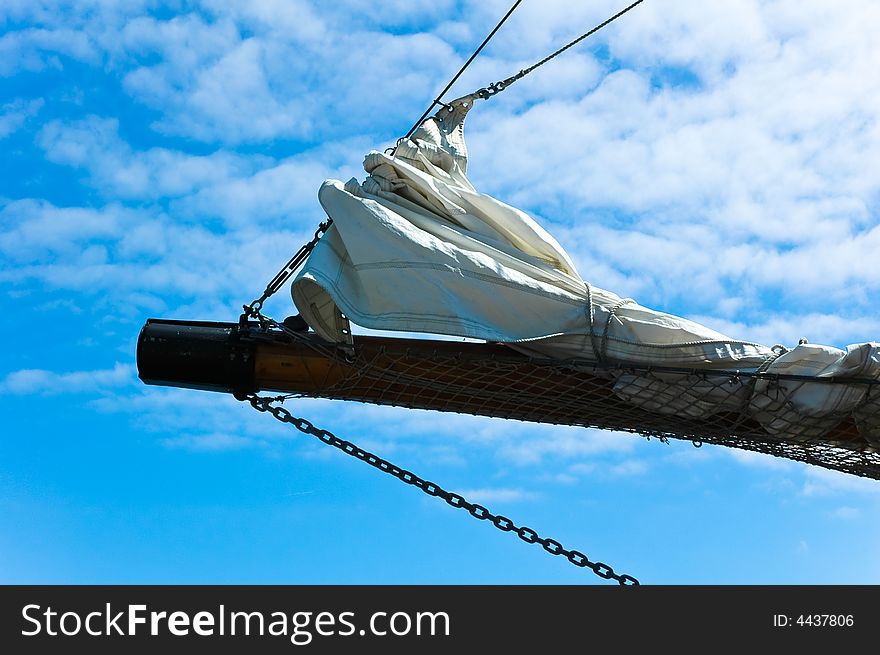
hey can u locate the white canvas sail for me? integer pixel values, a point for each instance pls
(417, 248)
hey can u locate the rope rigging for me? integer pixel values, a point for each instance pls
(497, 87)
(461, 70)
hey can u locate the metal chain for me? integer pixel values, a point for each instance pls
(253, 310)
(480, 512)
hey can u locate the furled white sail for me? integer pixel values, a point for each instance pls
(416, 248)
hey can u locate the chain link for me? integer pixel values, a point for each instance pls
(292, 265)
(479, 512)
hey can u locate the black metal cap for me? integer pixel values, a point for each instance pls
(195, 355)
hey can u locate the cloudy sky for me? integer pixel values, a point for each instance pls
(161, 159)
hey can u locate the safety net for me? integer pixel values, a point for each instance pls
(752, 411)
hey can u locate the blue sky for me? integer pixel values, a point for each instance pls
(716, 160)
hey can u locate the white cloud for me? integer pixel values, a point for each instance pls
(187, 39)
(785, 328)
(261, 71)
(46, 382)
(825, 482)
(216, 442)
(404, 13)
(14, 114)
(34, 49)
(496, 495)
(628, 467)
(38, 228)
(34, 228)
(300, 21)
(845, 512)
(240, 190)
(760, 460)
(93, 143)
(283, 192)
(566, 444)
(603, 468)
(230, 101)
(520, 443)
(122, 253)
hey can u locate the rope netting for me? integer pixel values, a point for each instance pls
(757, 412)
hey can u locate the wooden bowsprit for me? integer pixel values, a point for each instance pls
(493, 380)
